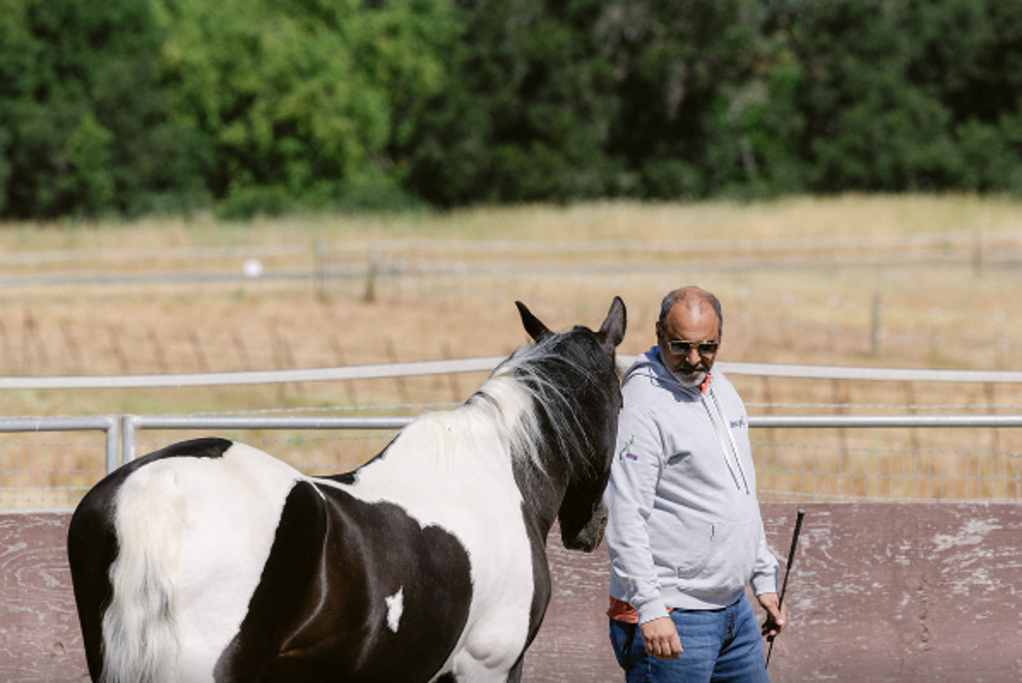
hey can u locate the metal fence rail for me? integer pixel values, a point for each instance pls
(104, 423)
(882, 421)
(330, 374)
(35, 474)
(486, 364)
(786, 470)
(131, 424)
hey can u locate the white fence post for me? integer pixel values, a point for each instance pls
(113, 444)
(128, 437)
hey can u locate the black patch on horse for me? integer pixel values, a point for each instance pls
(91, 549)
(208, 447)
(320, 611)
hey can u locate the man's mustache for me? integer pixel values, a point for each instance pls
(686, 369)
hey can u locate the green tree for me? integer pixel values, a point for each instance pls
(82, 114)
(696, 102)
(301, 99)
(586, 98)
(909, 95)
(526, 110)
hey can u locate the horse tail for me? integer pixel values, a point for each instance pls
(140, 641)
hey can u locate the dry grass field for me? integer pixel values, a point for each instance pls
(913, 282)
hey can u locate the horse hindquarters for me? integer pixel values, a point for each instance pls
(165, 554)
(119, 574)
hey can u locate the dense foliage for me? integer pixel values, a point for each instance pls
(125, 107)
(84, 120)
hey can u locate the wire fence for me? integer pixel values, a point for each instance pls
(48, 473)
(799, 472)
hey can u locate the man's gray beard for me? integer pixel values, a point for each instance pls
(690, 381)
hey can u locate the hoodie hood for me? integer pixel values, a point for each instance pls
(651, 366)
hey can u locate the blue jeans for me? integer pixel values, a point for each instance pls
(719, 645)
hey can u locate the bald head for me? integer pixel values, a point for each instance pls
(697, 301)
(688, 333)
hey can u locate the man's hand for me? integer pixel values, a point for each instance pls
(776, 618)
(661, 638)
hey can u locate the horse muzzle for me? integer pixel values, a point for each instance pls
(588, 539)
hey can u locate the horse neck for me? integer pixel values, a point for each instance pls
(542, 493)
(554, 412)
(541, 472)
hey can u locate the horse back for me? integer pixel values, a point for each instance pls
(353, 591)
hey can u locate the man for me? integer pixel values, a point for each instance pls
(684, 531)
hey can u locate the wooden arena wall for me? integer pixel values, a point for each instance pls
(914, 592)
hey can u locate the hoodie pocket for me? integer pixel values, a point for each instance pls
(694, 549)
(731, 557)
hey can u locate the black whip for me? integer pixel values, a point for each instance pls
(787, 572)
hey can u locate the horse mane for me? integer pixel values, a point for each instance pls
(533, 399)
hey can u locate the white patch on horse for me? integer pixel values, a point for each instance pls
(139, 629)
(395, 607)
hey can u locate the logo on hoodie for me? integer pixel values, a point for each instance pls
(736, 424)
(626, 452)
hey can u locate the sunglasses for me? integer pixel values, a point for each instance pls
(680, 347)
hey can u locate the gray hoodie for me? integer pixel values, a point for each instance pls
(684, 528)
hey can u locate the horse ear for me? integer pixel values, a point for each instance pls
(536, 329)
(613, 329)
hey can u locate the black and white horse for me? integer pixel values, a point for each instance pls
(213, 561)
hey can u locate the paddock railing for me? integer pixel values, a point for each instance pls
(104, 423)
(132, 424)
(786, 470)
(447, 367)
(804, 457)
